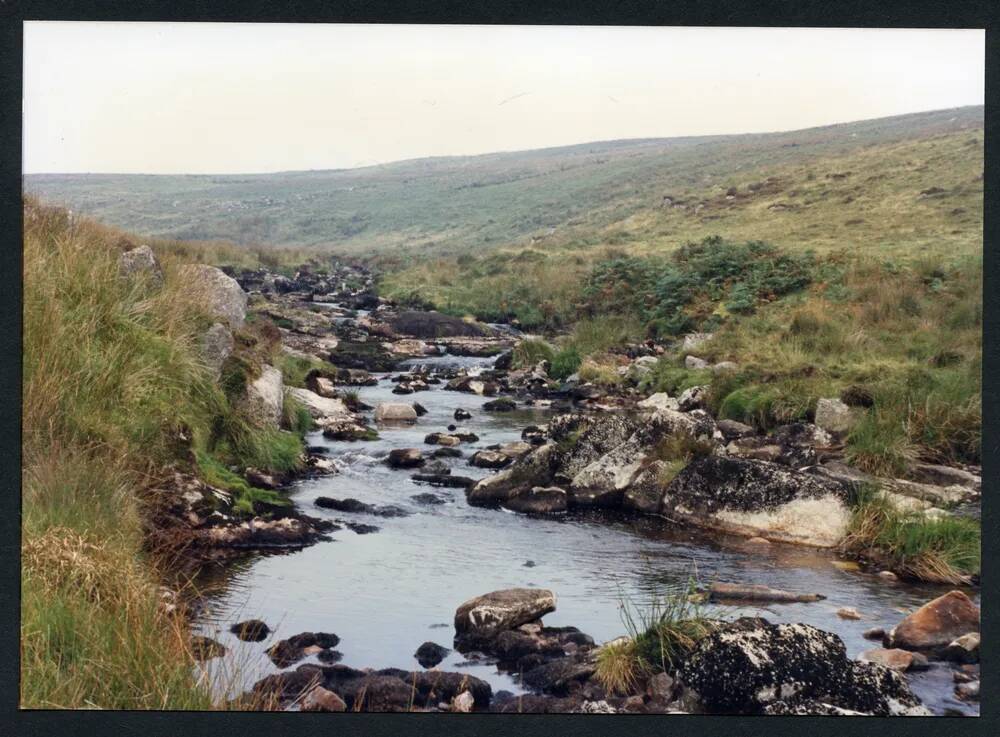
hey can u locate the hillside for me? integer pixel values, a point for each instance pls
(596, 193)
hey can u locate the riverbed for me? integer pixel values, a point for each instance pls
(385, 593)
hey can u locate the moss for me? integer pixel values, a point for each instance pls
(246, 498)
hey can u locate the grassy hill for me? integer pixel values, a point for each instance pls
(830, 186)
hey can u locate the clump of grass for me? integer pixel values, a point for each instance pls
(295, 369)
(665, 631)
(619, 668)
(295, 416)
(937, 550)
(530, 351)
(602, 374)
(565, 363)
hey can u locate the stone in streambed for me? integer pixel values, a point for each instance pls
(430, 654)
(405, 458)
(484, 617)
(937, 623)
(538, 500)
(395, 412)
(251, 630)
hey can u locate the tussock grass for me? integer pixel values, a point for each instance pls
(530, 351)
(619, 668)
(113, 391)
(941, 550)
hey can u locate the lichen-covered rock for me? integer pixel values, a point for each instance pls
(658, 401)
(216, 346)
(395, 412)
(537, 500)
(534, 469)
(645, 491)
(693, 398)
(758, 499)
(321, 408)
(602, 483)
(748, 665)
(486, 616)
(265, 397)
(937, 623)
(141, 262)
(834, 416)
(220, 295)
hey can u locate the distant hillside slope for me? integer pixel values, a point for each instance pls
(452, 204)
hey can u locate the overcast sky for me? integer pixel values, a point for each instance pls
(216, 98)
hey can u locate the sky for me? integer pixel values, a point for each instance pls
(200, 98)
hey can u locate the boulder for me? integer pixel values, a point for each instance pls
(964, 649)
(461, 414)
(645, 491)
(749, 665)
(220, 295)
(322, 699)
(893, 658)
(602, 483)
(435, 325)
(286, 652)
(395, 412)
(321, 385)
(405, 458)
(265, 397)
(320, 407)
(834, 416)
(504, 404)
(937, 623)
(732, 430)
(430, 654)
(490, 459)
(694, 341)
(216, 346)
(757, 499)
(486, 616)
(534, 469)
(658, 401)
(251, 630)
(694, 363)
(141, 263)
(693, 398)
(537, 500)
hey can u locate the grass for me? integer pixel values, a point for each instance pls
(659, 636)
(530, 351)
(113, 392)
(938, 550)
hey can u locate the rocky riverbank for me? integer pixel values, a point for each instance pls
(660, 456)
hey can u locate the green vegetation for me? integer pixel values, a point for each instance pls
(113, 393)
(659, 637)
(246, 497)
(528, 353)
(941, 550)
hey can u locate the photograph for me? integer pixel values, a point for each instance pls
(500, 370)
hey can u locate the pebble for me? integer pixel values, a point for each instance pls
(848, 612)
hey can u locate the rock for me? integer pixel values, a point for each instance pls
(968, 691)
(645, 491)
(322, 408)
(321, 385)
(848, 612)
(758, 499)
(358, 507)
(490, 459)
(427, 499)
(205, 648)
(929, 473)
(440, 438)
(405, 458)
(286, 652)
(731, 429)
(937, 623)
(265, 397)
(834, 416)
(748, 665)
(504, 404)
(251, 630)
(888, 575)
(461, 414)
(723, 367)
(484, 617)
(534, 469)
(420, 409)
(321, 699)
(692, 398)
(430, 654)
(559, 676)
(220, 295)
(964, 649)
(757, 592)
(874, 633)
(758, 541)
(369, 356)
(660, 687)
(894, 658)
(216, 346)
(694, 341)
(435, 325)
(658, 401)
(389, 412)
(463, 703)
(538, 500)
(695, 363)
(141, 263)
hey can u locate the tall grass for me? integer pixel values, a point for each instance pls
(939, 550)
(113, 391)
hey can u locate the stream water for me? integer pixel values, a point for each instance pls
(385, 593)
